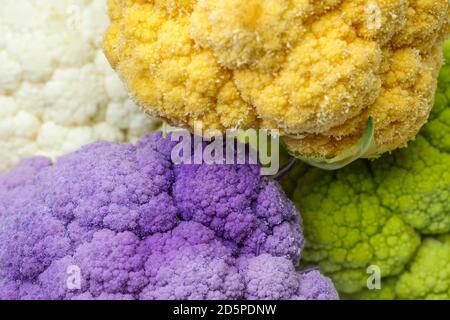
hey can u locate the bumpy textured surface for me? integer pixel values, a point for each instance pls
(57, 90)
(393, 212)
(315, 70)
(137, 226)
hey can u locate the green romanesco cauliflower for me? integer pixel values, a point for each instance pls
(393, 213)
(433, 258)
(426, 277)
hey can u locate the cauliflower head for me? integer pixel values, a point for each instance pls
(133, 225)
(57, 90)
(315, 70)
(393, 213)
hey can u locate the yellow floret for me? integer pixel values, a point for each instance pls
(315, 70)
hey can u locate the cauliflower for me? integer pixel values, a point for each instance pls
(330, 75)
(57, 90)
(393, 213)
(137, 226)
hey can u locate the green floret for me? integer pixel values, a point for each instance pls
(429, 273)
(414, 183)
(427, 277)
(393, 212)
(348, 228)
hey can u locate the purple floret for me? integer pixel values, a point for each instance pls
(314, 286)
(190, 263)
(30, 240)
(128, 223)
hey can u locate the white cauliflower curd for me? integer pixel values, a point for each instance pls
(57, 91)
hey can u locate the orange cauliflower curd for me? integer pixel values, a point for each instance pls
(319, 71)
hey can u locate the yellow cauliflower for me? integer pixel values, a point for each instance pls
(317, 70)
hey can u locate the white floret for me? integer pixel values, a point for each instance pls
(57, 90)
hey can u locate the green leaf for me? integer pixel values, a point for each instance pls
(347, 156)
(164, 130)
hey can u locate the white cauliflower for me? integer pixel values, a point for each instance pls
(57, 91)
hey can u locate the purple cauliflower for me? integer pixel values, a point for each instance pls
(119, 221)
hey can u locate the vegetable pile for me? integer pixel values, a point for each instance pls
(138, 226)
(319, 71)
(57, 90)
(346, 84)
(393, 213)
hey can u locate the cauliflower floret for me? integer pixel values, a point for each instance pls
(57, 90)
(135, 225)
(393, 213)
(429, 274)
(315, 70)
